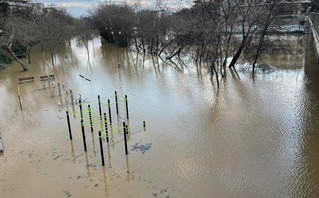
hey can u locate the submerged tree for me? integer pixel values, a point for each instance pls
(55, 29)
(118, 19)
(85, 33)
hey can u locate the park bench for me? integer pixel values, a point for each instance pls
(1, 147)
(42, 78)
(26, 79)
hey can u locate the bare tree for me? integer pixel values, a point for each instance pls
(85, 33)
(11, 25)
(55, 28)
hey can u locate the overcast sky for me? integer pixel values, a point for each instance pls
(79, 8)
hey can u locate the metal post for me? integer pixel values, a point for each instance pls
(99, 101)
(110, 114)
(71, 96)
(68, 119)
(80, 102)
(90, 116)
(19, 98)
(59, 88)
(101, 148)
(49, 80)
(106, 131)
(116, 103)
(144, 124)
(126, 107)
(117, 52)
(83, 135)
(124, 133)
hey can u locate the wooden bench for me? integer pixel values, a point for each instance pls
(42, 78)
(26, 79)
(1, 147)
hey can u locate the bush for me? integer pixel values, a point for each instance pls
(4, 57)
(18, 50)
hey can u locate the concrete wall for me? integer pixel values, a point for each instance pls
(314, 20)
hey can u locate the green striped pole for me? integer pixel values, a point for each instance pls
(106, 131)
(90, 115)
(81, 109)
(100, 110)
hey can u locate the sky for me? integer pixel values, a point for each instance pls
(79, 8)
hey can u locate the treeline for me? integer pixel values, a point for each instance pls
(28, 24)
(215, 33)
(209, 31)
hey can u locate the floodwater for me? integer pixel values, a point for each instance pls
(254, 137)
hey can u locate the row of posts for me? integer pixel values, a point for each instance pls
(125, 127)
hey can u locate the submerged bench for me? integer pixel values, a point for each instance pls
(1, 147)
(26, 79)
(47, 77)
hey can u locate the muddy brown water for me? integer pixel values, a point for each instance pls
(255, 137)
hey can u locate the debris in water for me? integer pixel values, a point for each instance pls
(141, 147)
(67, 193)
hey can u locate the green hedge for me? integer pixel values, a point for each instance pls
(4, 57)
(18, 50)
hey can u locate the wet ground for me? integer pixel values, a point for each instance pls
(255, 137)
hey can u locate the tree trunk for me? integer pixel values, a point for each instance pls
(24, 67)
(29, 54)
(213, 69)
(152, 45)
(52, 59)
(143, 45)
(87, 50)
(237, 55)
(177, 52)
(254, 65)
(136, 45)
(157, 43)
(3, 65)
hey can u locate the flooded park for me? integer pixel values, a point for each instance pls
(252, 137)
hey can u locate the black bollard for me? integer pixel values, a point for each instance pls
(124, 133)
(106, 131)
(99, 100)
(144, 124)
(101, 148)
(81, 109)
(83, 135)
(117, 107)
(67, 117)
(126, 107)
(110, 114)
(90, 115)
